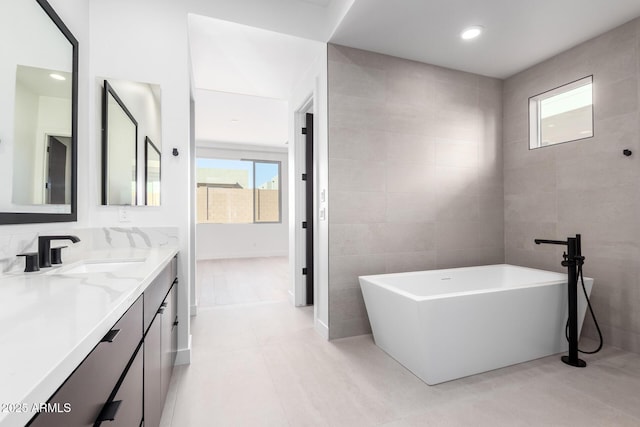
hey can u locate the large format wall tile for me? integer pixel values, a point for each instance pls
(415, 173)
(586, 186)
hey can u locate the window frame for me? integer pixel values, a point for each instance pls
(535, 113)
(279, 163)
(253, 199)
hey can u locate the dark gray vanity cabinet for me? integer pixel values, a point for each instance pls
(160, 343)
(124, 380)
(82, 397)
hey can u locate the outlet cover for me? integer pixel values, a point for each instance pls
(123, 214)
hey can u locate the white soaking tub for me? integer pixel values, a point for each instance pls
(448, 324)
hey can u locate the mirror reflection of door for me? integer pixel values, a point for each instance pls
(56, 188)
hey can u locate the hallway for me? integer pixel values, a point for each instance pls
(241, 281)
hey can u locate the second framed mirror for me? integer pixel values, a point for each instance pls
(131, 136)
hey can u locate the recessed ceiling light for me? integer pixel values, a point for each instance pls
(57, 76)
(471, 32)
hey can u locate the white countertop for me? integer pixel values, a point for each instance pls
(50, 322)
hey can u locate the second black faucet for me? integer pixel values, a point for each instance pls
(44, 248)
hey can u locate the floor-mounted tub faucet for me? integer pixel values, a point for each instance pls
(44, 247)
(573, 260)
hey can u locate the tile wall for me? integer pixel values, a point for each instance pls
(587, 186)
(415, 173)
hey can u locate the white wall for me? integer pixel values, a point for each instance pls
(26, 106)
(306, 19)
(146, 41)
(216, 241)
(312, 84)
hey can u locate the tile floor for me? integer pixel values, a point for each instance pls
(262, 364)
(240, 281)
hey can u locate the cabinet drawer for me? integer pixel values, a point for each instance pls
(155, 293)
(174, 268)
(91, 384)
(125, 409)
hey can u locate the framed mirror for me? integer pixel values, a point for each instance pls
(131, 136)
(38, 115)
(152, 163)
(119, 150)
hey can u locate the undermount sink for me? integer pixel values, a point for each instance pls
(96, 266)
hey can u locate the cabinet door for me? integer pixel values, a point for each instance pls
(156, 293)
(90, 385)
(174, 326)
(125, 409)
(152, 374)
(167, 352)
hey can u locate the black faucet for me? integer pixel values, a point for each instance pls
(44, 247)
(573, 260)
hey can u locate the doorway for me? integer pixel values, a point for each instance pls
(308, 224)
(247, 105)
(57, 173)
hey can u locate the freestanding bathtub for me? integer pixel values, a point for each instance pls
(448, 324)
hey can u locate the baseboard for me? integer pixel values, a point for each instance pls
(183, 357)
(322, 329)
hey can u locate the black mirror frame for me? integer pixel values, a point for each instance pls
(35, 217)
(149, 144)
(108, 90)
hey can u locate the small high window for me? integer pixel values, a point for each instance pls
(561, 115)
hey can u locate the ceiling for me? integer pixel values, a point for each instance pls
(230, 57)
(232, 118)
(518, 34)
(245, 74)
(257, 48)
(39, 82)
(310, 19)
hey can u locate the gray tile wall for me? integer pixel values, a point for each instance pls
(415, 173)
(586, 186)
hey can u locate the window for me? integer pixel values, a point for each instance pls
(561, 115)
(238, 191)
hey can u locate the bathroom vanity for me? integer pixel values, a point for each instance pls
(89, 341)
